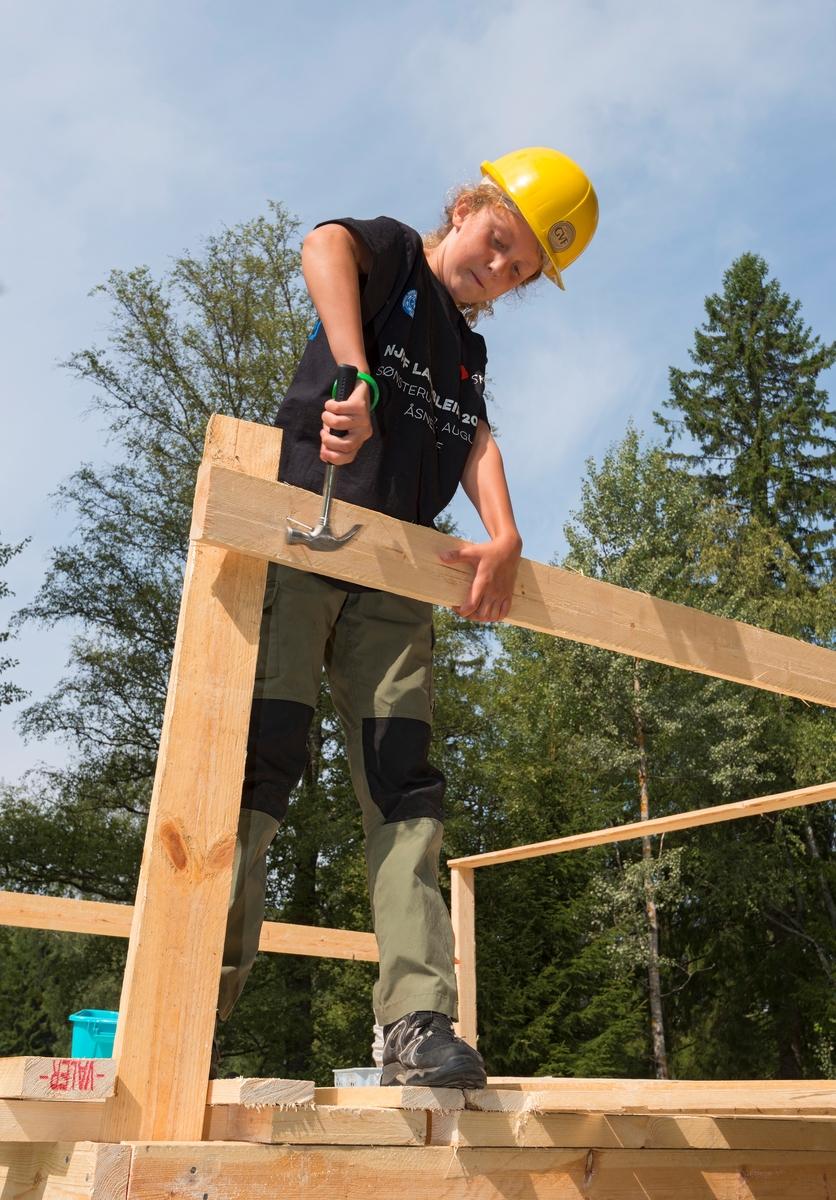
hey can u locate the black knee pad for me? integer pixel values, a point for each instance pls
(277, 752)
(403, 784)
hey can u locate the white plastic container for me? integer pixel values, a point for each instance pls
(358, 1077)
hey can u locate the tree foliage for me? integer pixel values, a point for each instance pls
(537, 737)
(753, 405)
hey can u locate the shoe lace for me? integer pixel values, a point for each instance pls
(424, 1024)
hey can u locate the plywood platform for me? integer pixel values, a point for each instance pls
(529, 1139)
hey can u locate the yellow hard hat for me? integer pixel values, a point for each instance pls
(556, 199)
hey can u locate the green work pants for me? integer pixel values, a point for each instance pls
(377, 651)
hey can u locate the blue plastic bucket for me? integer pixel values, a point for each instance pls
(93, 1032)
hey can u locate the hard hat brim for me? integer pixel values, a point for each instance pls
(552, 272)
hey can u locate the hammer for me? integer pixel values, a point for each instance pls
(322, 536)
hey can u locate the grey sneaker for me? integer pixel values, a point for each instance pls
(422, 1050)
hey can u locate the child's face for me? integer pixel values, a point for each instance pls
(486, 254)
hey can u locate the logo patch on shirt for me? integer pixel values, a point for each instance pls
(408, 302)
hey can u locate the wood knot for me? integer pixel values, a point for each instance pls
(174, 845)
(221, 854)
(589, 1168)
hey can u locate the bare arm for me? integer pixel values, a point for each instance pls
(496, 561)
(333, 258)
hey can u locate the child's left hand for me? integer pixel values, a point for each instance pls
(492, 588)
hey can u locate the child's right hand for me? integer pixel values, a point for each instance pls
(352, 415)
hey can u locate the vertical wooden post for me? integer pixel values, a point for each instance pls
(170, 989)
(463, 914)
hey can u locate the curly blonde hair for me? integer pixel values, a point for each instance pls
(485, 194)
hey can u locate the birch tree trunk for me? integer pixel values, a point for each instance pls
(657, 1023)
(827, 895)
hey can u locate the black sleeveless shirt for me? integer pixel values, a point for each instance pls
(430, 368)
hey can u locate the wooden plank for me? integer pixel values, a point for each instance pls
(603, 1131)
(170, 987)
(284, 938)
(322, 1125)
(440, 1099)
(659, 825)
(64, 1171)
(33, 1078)
(737, 1097)
(66, 915)
(249, 515)
(114, 920)
(467, 1128)
(48, 1121)
(539, 1083)
(241, 1171)
(463, 916)
(255, 1092)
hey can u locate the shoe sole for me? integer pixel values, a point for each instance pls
(453, 1075)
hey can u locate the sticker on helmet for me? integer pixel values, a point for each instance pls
(408, 302)
(561, 235)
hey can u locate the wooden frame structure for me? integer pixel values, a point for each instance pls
(153, 1129)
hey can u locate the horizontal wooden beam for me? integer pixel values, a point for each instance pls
(64, 1170)
(318, 1126)
(260, 1172)
(240, 512)
(29, 1077)
(51, 1121)
(727, 1097)
(603, 1131)
(114, 920)
(64, 915)
(554, 1124)
(46, 1121)
(637, 829)
(257, 1093)
(431, 1098)
(735, 1097)
(279, 937)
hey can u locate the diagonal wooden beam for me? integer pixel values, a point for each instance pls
(238, 512)
(637, 829)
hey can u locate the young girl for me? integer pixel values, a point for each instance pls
(401, 310)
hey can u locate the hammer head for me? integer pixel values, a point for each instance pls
(321, 537)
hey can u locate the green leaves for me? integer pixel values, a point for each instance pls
(220, 332)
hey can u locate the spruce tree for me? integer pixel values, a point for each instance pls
(753, 406)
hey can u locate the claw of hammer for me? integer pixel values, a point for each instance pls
(320, 537)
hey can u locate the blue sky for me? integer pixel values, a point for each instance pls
(130, 131)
